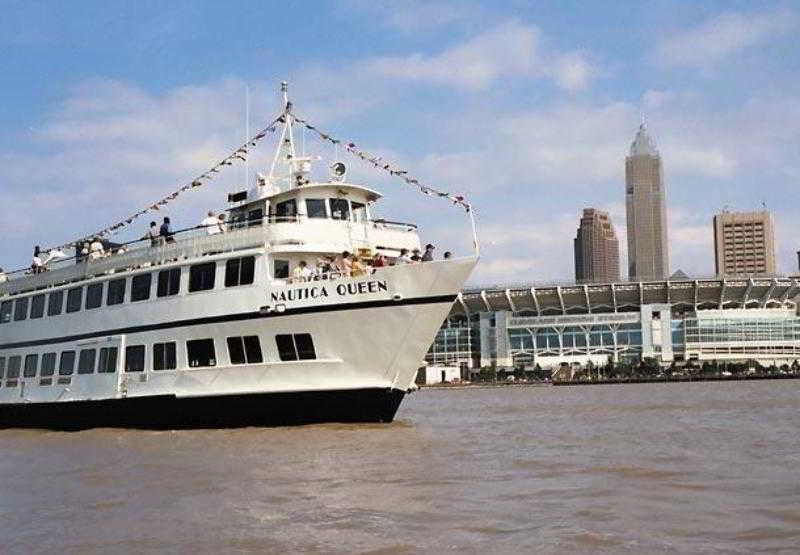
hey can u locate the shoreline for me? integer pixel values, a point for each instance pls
(622, 381)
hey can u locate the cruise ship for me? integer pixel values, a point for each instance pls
(207, 328)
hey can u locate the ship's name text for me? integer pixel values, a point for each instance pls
(326, 290)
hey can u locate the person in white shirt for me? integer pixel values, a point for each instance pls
(154, 234)
(221, 223)
(3, 276)
(96, 249)
(404, 258)
(302, 272)
(37, 266)
(211, 223)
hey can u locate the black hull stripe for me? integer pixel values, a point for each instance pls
(242, 316)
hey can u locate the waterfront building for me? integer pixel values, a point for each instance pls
(596, 248)
(734, 320)
(744, 243)
(645, 207)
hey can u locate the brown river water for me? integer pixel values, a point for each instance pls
(650, 468)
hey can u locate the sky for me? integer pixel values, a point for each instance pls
(526, 108)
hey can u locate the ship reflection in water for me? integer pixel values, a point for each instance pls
(687, 468)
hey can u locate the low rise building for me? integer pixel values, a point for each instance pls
(666, 321)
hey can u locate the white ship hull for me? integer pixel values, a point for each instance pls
(370, 335)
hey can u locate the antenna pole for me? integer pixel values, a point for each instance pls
(246, 134)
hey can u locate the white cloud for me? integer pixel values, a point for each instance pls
(722, 36)
(573, 71)
(415, 16)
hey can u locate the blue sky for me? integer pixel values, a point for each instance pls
(526, 108)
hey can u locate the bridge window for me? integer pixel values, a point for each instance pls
(48, 364)
(169, 282)
(5, 312)
(201, 353)
(140, 287)
(286, 211)
(55, 303)
(245, 350)
(67, 364)
(74, 299)
(31, 365)
(134, 358)
(21, 309)
(108, 360)
(359, 212)
(281, 269)
(202, 276)
(94, 296)
(37, 306)
(315, 208)
(340, 209)
(164, 356)
(116, 292)
(255, 217)
(240, 271)
(2, 367)
(86, 361)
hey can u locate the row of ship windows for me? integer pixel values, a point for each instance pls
(200, 353)
(202, 277)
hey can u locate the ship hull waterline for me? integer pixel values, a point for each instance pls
(163, 412)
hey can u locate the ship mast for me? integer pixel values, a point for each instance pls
(285, 150)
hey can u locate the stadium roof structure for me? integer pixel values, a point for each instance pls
(685, 295)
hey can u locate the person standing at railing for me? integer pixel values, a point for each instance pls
(211, 223)
(37, 267)
(166, 231)
(221, 225)
(3, 276)
(153, 234)
(427, 256)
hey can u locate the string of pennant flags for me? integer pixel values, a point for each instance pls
(240, 155)
(386, 166)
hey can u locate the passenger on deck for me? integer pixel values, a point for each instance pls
(96, 249)
(301, 272)
(427, 256)
(37, 267)
(221, 225)
(3, 276)
(153, 234)
(165, 232)
(324, 267)
(345, 264)
(415, 257)
(358, 268)
(448, 255)
(211, 223)
(378, 261)
(403, 258)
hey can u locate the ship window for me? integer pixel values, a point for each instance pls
(37, 306)
(74, 299)
(108, 360)
(240, 271)
(116, 292)
(255, 217)
(359, 212)
(315, 208)
(164, 356)
(31, 365)
(2, 367)
(55, 303)
(245, 350)
(67, 364)
(169, 282)
(286, 211)
(14, 364)
(281, 269)
(140, 287)
(21, 309)
(201, 353)
(94, 296)
(5, 312)
(86, 361)
(340, 209)
(134, 358)
(48, 364)
(298, 346)
(201, 276)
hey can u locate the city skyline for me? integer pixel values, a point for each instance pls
(124, 104)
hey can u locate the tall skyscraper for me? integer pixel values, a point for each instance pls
(596, 248)
(744, 243)
(645, 208)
